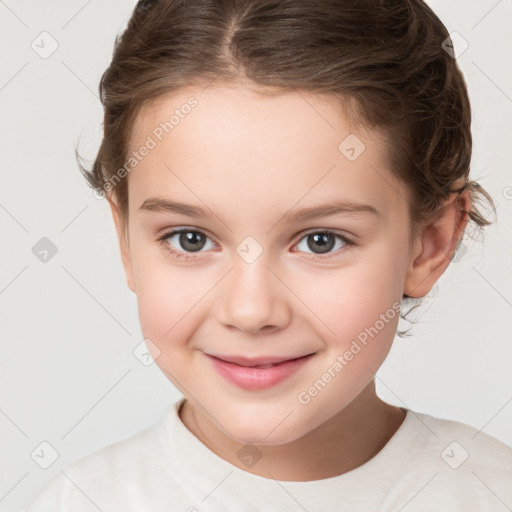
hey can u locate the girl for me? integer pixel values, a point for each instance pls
(317, 155)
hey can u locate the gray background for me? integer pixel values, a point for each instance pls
(69, 376)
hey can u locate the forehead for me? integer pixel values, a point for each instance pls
(232, 145)
(238, 111)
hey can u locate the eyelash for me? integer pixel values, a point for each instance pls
(186, 256)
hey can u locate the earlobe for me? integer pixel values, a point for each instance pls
(123, 244)
(434, 249)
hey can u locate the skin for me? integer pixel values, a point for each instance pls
(251, 159)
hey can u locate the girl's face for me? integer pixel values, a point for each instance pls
(295, 243)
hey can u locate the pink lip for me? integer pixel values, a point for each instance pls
(253, 361)
(244, 374)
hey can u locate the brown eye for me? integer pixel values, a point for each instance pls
(191, 240)
(322, 242)
(184, 240)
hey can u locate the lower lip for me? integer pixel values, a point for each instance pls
(248, 377)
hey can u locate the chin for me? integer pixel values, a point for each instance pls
(260, 433)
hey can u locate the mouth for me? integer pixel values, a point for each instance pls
(257, 362)
(258, 372)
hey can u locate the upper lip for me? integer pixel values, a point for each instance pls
(255, 361)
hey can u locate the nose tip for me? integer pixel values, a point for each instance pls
(252, 299)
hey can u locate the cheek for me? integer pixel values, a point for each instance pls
(362, 314)
(354, 298)
(359, 309)
(167, 297)
(168, 307)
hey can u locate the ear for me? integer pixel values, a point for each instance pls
(433, 249)
(123, 244)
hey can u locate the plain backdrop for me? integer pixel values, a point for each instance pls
(69, 377)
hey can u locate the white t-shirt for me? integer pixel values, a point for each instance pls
(429, 464)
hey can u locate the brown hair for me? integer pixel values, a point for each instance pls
(384, 58)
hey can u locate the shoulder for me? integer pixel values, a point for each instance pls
(462, 443)
(454, 466)
(107, 474)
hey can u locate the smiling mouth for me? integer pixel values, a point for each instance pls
(257, 362)
(257, 373)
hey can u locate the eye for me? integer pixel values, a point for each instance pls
(322, 242)
(185, 240)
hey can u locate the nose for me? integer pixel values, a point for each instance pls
(252, 298)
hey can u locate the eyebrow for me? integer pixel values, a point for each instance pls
(158, 204)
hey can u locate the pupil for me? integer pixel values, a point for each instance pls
(324, 240)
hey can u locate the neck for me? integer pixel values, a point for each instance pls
(347, 440)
